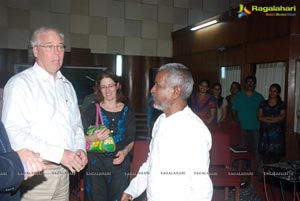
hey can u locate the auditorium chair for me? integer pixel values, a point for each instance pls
(220, 165)
(140, 153)
(234, 130)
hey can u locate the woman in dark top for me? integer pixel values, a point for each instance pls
(271, 114)
(107, 174)
(235, 87)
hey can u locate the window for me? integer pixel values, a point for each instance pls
(228, 75)
(270, 73)
(119, 65)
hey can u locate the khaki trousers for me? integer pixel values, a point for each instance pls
(52, 184)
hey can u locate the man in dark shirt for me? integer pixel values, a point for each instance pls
(15, 167)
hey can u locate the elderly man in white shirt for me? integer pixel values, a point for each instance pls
(178, 161)
(40, 113)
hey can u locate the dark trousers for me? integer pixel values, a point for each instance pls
(250, 141)
(103, 180)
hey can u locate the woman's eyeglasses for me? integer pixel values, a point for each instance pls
(103, 87)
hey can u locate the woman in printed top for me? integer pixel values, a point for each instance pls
(272, 114)
(204, 104)
(107, 174)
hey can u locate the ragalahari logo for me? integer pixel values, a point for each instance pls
(243, 11)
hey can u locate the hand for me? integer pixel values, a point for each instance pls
(120, 156)
(83, 157)
(102, 134)
(72, 161)
(33, 161)
(126, 197)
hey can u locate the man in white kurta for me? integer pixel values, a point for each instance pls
(178, 161)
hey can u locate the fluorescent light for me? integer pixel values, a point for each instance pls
(119, 65)
(223, 72)
(204, 25)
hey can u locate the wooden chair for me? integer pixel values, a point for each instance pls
(220, 164)
(234, 130)
(140, 154)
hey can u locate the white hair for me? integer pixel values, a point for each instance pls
(179, 75)
(35, 36)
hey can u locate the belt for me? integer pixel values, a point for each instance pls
(47, 163)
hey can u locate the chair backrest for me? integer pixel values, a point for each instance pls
(233, 129)
(220, 153)
(140, 153)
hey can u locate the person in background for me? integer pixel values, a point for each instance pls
(87, 100)
(41, 113)
(271, 114)
(107, 174)
(245, 110)
(204, 104)
(235, 87)
(221, 103)
(172, 171)
(15, 167)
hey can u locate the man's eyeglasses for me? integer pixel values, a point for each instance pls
(107, 87)
(50, 48)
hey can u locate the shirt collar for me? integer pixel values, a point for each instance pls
(184, 110)
(45, 75)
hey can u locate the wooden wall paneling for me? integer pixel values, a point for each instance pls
(104, 60)
(295, 21)
(136, 82)
(81, 57)
(185, 60)
(129, 73)
(136, 79)
(290, 96)
(268, 50)
(266, 28)
(290, 101)
(182, 42)
(205, 66)
(231, 56)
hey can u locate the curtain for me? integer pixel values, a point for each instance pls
(270, 73)
(228, 75)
